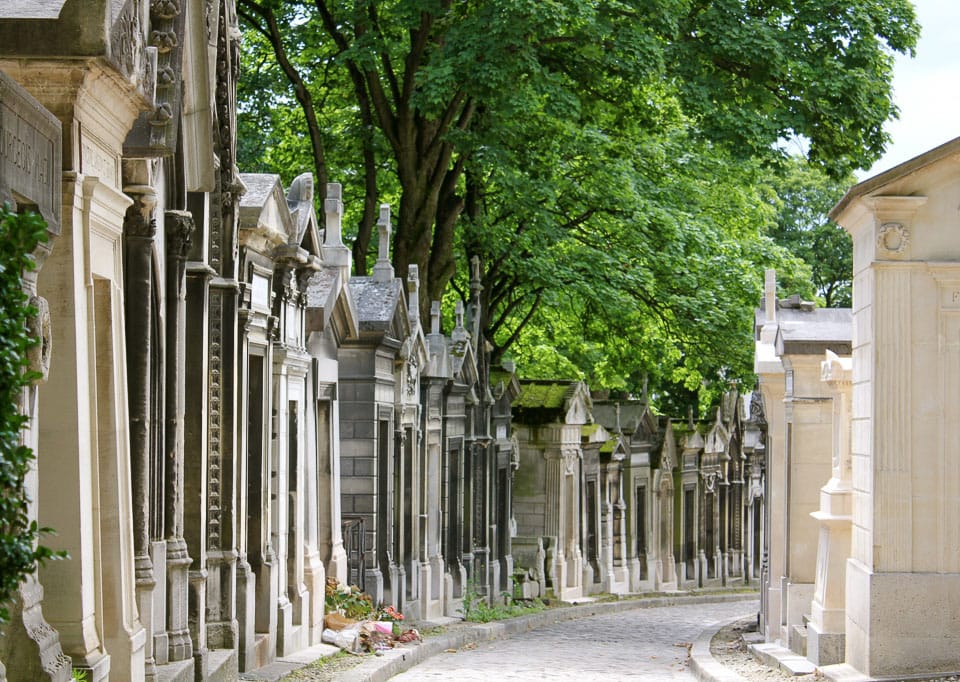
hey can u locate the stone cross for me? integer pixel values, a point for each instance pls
(333, 212)
(435, 317)
(458, 314)
(383, 270)
(335, 253)
(475, 286)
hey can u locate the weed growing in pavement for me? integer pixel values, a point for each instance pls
(477, 610)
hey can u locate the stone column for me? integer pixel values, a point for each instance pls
(573, 587)
(553, 516)
(222, 471)
(200, 484)
(179, 228)
(139, 235)
(825, 629)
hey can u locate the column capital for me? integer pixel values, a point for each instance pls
(179, 227)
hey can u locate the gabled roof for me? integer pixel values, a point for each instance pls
(635, 417)
(380, 305)
(264, 211)
(504, 382)
(545, 400)
(806, 330)
(871, 185)
(329, 301)
(31, 9)
(259, 186)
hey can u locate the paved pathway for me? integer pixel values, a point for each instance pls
(639, 644)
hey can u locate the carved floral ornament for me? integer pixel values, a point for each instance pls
(710, 480)
(893, 238)
(165, 9)
(39, 355)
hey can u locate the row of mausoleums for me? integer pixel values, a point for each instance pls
(863, 470)
(229, 416)
(609, 497)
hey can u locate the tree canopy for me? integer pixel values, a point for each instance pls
(614, 164)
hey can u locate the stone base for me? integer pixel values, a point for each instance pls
(844, 672)
(30, 647)
(824, 648)
(798, 639)
(222, 666)
(902, 625)
(179, 671)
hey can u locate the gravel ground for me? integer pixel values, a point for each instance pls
(728, 648)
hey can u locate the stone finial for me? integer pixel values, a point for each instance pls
(413, 294)
(300, 203)
(619, 428)
(383, 270)
(333, 212)
(435, 317)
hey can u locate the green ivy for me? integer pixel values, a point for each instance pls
(20, 552)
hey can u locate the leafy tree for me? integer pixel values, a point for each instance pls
(19, 552)
(420, 72)
(804, 197)
(606, 161)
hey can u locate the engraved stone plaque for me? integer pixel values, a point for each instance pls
(29, 153)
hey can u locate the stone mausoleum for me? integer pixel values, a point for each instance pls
(863, 473)
(228, 417)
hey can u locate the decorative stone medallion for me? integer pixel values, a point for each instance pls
(893, 238)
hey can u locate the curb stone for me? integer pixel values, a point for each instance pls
(702, 663)
(396, 661)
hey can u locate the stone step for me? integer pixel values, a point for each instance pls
(776, 656)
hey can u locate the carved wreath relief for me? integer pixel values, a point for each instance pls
(893, 238)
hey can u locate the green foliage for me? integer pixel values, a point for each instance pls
(19, 551)
(476, 609)
(80, 675)
(609, 162)
(348, 600)
(804, 197)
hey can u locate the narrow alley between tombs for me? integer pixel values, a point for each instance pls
(638, 644)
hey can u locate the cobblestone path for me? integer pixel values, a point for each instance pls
(639, 644)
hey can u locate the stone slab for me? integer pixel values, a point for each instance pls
(272, 672)
(310, 654)
(776, 656)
